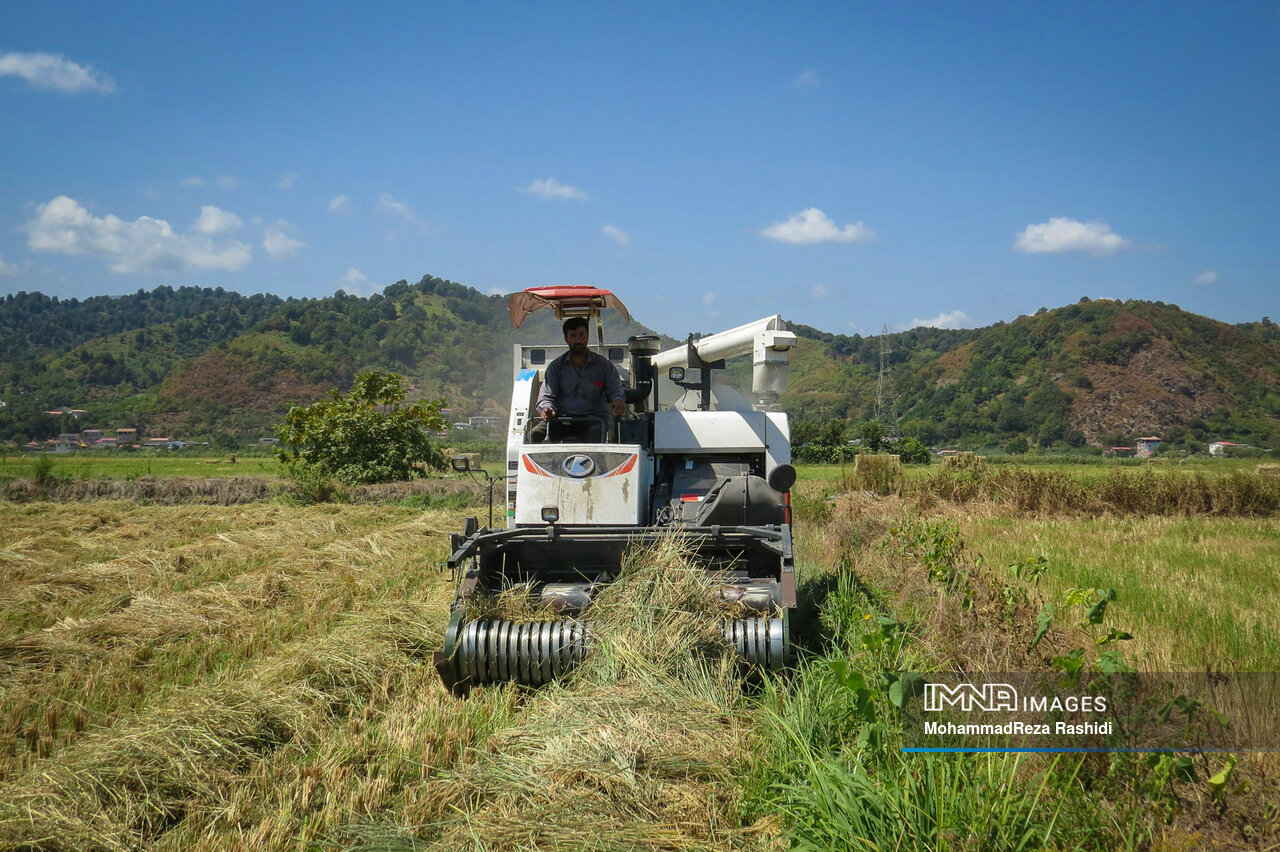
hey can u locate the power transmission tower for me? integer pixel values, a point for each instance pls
(886, 403)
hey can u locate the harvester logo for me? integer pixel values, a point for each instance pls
(579, 466)
(967, 697)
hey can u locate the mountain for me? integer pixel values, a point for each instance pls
(193, 362)
(1099, 372)
(199, 363)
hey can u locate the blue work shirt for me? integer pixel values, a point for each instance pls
(570, 389)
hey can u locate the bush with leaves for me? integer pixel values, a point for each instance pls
(911, 451)
(367, 435)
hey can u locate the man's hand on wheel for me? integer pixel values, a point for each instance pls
(618, 407)
(547, 413)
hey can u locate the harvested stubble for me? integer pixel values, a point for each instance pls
(186, 764)
(227, 490)
(271, 579)
(638, 749)
(166, 490)
(1119, 491)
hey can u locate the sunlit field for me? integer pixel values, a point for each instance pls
(116, 464)
(258, 676)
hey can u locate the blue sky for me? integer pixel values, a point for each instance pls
(846, 164)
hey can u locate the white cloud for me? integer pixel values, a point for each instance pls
(50, 71)
(340, 204)
(278, 244)
(952, 319)
(62, 226)
(391, 207)
(1209, 276)
(287, 180)
(820, 291)
(215, 221)
(618, 235)
(1060, 235)
(220, 182)
(551, 188)
(708, 297)
(812, 226)
(357, 283)
(7, 268)
(807, 80)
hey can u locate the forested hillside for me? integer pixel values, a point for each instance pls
(200, 363)
(1098, 372)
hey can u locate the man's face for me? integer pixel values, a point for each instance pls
(577, 339)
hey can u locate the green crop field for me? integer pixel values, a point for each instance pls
(258, 676)
(110, 464)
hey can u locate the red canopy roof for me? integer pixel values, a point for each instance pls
(570, 299)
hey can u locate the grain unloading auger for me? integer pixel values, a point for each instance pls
(705, 468)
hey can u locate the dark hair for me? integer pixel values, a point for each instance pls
(574, 322)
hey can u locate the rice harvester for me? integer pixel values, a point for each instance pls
(705, 466)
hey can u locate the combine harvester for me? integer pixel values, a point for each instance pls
(705, 467)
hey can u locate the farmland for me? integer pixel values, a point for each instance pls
(257, 675)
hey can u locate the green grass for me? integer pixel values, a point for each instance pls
(1196, 592)
(115, 464)
(1078, 466)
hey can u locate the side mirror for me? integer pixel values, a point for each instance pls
(676, 374)
(461, 464)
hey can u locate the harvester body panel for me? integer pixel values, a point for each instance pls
(583, 484)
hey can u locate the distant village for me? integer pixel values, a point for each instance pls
(122, 438)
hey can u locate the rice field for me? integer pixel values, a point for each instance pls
(257, 675)
(117, 464)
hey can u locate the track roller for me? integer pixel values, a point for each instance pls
(538, 652)
(760, 641)
(530, 653)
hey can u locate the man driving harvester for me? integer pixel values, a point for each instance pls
(581, 385)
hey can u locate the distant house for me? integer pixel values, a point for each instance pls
(127, 436)
(1122, 452)
(90, 436)
(1147, 446)
(60, 411)
(485, 421)
(1226, 448)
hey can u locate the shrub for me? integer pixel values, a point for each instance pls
(365, 436)
(911, 451)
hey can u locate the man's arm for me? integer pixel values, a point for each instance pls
(613, 389)
(546, 404)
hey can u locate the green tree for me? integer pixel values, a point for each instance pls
(872, 436)
(911, 451)
(367, 435)
(831, 434)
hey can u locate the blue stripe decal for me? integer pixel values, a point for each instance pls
(523, 375)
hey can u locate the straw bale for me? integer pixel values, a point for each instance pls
(879, 474)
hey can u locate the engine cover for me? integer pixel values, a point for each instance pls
(587, 484)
